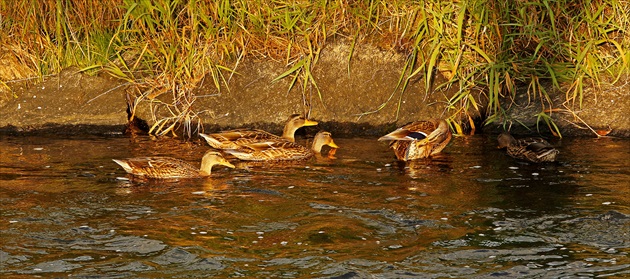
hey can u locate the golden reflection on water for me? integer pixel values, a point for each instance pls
(362, 204)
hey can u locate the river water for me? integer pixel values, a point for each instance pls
(472, 212)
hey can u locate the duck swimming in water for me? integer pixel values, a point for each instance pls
(234, 139)
(535, 150)
(171, 168)
(282, 150)
(419, 139)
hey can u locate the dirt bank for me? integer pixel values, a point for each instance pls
(348, 104)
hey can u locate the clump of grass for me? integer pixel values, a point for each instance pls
(494, 47)
(59, 34)
(486, 49)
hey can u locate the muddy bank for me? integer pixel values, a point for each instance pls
(347, 103)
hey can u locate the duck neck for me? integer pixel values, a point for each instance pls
(442, 127)
(317, 146)
(506, 140)
(206, 165)
(289, 132)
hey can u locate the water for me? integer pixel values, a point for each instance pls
(472, 212)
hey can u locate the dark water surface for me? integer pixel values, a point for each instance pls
(472, 212)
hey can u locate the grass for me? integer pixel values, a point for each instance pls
(487, 49)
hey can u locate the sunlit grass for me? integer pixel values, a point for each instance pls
(485, 49)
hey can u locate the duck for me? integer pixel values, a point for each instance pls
(135, 125)
(171, 168)
(419, 139)
(282, 150)
(536, 150)
(234, 139)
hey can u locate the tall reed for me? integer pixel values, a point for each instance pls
(485, 48)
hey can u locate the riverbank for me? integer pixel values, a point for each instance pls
(364, 67)
(363, 102)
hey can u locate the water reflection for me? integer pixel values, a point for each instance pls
(472, 211)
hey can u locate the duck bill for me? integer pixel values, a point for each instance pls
(310, 122)
(332, 144)
(228, 164)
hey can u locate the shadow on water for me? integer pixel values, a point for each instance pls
(472, 211)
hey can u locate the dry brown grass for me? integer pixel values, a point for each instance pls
(484, 48)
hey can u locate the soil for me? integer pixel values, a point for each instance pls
(347, 103)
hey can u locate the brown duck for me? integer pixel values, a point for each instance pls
(234, 139)
(419, 139)
(535, 150)
(171, 168)
(282, 150)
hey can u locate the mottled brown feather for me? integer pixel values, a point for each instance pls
(279, 150)
(168, 168)
(234, 139)
(419, 139)
(535, 150)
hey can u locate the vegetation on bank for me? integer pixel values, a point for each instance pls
(487, 49)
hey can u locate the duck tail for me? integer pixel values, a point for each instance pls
(548, 152)
(124, 165)
(215, 143)
(402, 134)
(240, 154)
